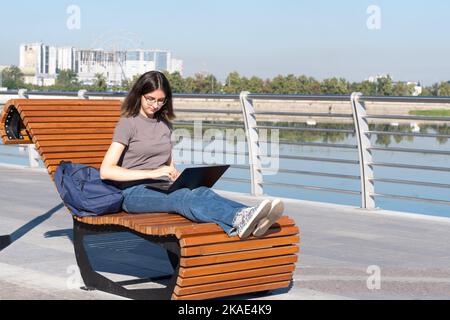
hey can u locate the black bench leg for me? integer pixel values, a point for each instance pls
(5, 241)
(95, 281)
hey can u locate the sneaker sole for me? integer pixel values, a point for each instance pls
(262, 211)
(275, 213)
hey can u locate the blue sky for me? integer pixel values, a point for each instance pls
(321, 38)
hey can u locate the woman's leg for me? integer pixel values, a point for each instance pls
(139, 199)
(209, 193)
(199, 205)
(204, 205)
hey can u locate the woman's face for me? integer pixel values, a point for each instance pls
(152, 102)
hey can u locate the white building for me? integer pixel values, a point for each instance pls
(41, 63)
(93, 62)
(417, 87)
(137, 62)
(177, 66)
(118, 66)
(373, 79)
(65, 59)
(34, 62)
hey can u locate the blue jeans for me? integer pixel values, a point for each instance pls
(199, 205)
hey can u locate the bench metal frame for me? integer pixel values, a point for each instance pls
(95, 281)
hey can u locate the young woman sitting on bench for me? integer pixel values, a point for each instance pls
(142, 149)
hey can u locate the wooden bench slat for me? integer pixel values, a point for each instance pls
(110, 219)
(83, 152)
(24, 103)
(164, 230)
(52, 169)
(184, 282)
(142, 226)
(56, 125)
(235, 291)
(79, 142)
(60, 107)
(236, 266)
(180, 291)
(151, 220)
(87, 161)
(274, 231)
(52, 150)
(25, 140)
(137, 217)
(72, 113)
(68, 120)
(162, 224)
(69, 131)
(252, 243)
(68, 138)
(238, 256)
(211, 228)
(134, 219)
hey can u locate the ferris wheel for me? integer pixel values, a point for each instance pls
(116, 43)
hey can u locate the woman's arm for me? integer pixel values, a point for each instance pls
(109, 169)
(171, 164)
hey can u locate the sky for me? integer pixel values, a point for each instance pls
(407, 39)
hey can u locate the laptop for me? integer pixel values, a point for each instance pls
(191, 178)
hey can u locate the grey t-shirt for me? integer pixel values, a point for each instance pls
(148, 142)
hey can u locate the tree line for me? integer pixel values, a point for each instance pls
(67, 80)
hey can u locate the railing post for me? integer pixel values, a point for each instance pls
(82, 94)
(253, 144)
(23, 93)
(33, 155)
(364, 152)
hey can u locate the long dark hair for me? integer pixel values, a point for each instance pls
(147, 83)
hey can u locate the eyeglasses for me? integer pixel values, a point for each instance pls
(151, 101)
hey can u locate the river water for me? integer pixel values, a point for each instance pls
(12, 155)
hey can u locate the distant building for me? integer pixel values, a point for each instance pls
(41, 64)
(37, 62)
(373, 79)
(65, 59)
(177, 66)
(92, 62)
(417, 87)
(138, 62)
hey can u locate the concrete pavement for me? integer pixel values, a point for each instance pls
(343, 249)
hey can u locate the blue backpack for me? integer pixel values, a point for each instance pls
(84, 192)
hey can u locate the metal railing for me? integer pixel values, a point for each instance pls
(363, 147)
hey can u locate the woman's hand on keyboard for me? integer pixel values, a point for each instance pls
(167, 172)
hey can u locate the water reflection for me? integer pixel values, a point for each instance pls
(384, 140)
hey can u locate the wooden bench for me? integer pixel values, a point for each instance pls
(206, 262)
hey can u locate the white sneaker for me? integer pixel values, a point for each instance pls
(275, 213)
(246, 219)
